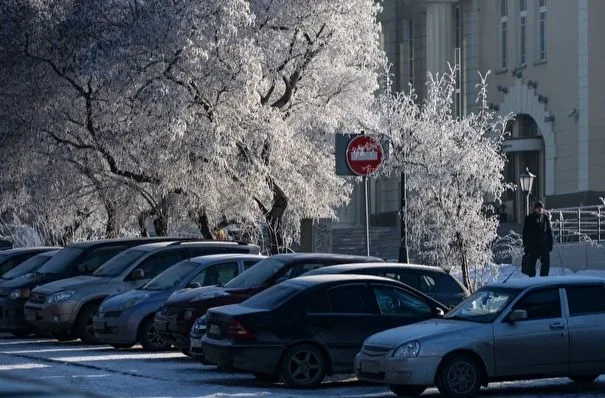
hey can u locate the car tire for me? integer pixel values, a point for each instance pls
(459, 377)
(84, 328)
(63, 336)
(585, 379)
(303, 366)
(266, 377)
(122, 346)
(402, 390)
(149, 337)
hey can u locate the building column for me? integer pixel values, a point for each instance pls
(439, 35)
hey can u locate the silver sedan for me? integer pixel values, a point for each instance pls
(523, 329)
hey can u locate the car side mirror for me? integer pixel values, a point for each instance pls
(516, 316)
(439, 312)
(138, 274)
(194, 285)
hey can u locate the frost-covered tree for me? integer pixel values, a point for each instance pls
(454, 168)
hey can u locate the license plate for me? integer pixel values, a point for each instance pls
(370, 366)
(214, 329)
(196, 343)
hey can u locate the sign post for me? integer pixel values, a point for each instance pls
(364, 155)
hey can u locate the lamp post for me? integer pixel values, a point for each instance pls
(526, 180)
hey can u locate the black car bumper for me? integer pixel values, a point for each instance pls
(250, 358)
(11, 316)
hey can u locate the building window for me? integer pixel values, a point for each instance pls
(503, 33)
(542, 33)
(458, 61)
(408, 39)
(522, 32)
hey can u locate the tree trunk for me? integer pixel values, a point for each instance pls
(112, 229)
(143, 223)
(465, 274)
(274, 220)
(203, 224)
(160, 224)
(70, 231)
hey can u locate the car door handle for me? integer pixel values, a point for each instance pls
(557, 325)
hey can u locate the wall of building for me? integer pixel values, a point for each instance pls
(596, 104)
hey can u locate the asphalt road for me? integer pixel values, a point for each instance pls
(99, 370)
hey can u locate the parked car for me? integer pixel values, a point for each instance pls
(523, 329)
(10, 258)
(176, 317)
(5, 244)
(65, 308)
(302, 329)
(28, 266)
(81, 258)
(432, 281)
(127, 318)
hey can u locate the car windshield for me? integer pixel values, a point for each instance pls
(484, 305)
(256, 275)
(61, 261)
(173, 278)
(272, 297)
(118, 264)
(30, 265)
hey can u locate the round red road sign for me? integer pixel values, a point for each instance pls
(364, 155)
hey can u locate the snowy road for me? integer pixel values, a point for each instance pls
(103, 371)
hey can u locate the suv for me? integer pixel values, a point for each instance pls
(81, 258)
(432, 281)
(66, 308)
(175, 319)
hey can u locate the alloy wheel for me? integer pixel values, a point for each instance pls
(462, 377)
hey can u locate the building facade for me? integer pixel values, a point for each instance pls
(545, 64)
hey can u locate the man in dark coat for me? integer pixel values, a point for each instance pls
(537, 240)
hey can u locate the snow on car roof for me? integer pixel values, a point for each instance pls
(523, 283)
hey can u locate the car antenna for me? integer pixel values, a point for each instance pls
(511, 274)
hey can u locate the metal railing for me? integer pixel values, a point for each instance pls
(578, 224)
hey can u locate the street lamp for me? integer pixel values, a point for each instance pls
(526, 180)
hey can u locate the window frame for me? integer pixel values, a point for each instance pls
(117, 249)
(182, 254)
(542, 31)
(522, 296)
(373, 286)
(369, 293)
(568, 302)
(503, 34)
(522, 32)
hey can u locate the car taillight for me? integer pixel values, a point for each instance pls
(239, 331)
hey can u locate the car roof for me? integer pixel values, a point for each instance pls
(334, 269)
(40, 249)
(225, 256)
(314, 280)
(156, 239)
(290, 257)
(524, 283)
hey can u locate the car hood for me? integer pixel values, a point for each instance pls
(75, 283)
(185, 295)
(116, 303)
(430, 329)
(29, 281)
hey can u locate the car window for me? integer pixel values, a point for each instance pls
(584, 300)
(217, 274)
(541, 304)
(448, 285)
(299, 269)
(393, 301)
(9, 264)
(426, 283)
(318, 302)
(409, 279)
(158, 263)
(28, 266)
(248, 264)
(273, 296)
(96, 257)
(356, 299)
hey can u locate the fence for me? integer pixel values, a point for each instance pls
(578, 224)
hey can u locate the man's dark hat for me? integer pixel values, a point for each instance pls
(539, 204)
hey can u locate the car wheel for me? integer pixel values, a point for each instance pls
(459, 377)
(406, 390)
(121, 346)
(586, 379)
(266, 377)
(303, 366)
(150, 338)
(84, 329)
(21, 333)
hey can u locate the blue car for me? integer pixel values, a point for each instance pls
(127, 318)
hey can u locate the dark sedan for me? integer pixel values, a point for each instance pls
(302, 329)
(432, 281)
(126, 318)
(177, 316)
(10, 258)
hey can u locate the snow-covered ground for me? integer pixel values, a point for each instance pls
(104, 371)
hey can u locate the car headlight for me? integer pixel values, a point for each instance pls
(20, 293)
(61, 296)
(199, 327)
(407, 350)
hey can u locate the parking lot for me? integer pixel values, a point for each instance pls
(103, 371)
